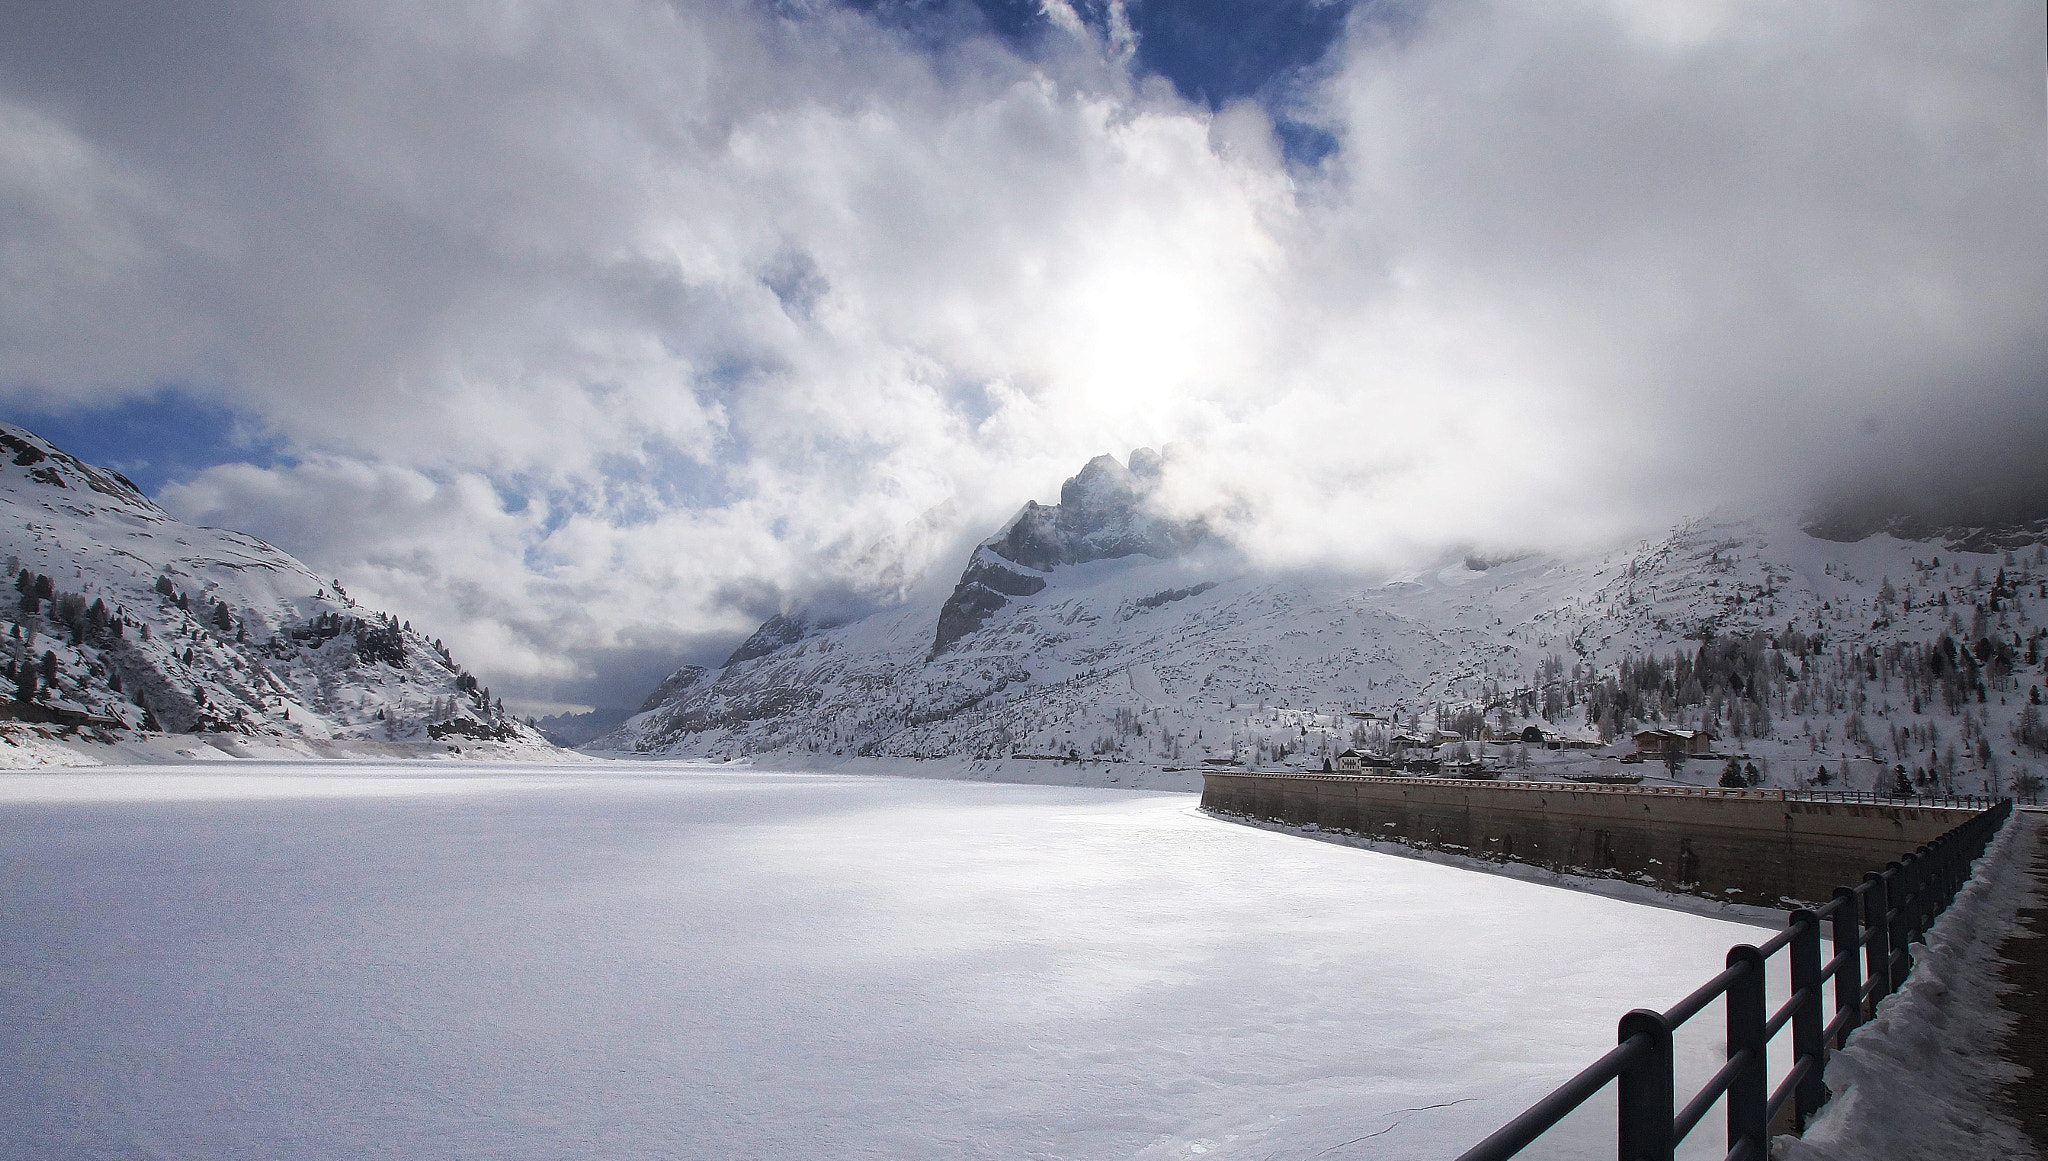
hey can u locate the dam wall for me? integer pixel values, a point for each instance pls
(1761, 847)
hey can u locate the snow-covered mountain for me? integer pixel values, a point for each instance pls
(1096, 629)
(122, 617)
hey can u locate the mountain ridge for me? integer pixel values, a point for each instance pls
(1197, 654)
(129, 619)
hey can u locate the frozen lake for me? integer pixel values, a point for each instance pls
(607, 961)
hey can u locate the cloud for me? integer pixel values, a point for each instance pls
(592, 333)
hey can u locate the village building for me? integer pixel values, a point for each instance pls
(1551, 739)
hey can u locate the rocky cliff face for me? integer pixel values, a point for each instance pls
(1105, 512)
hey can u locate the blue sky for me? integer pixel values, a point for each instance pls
(164, 437)
(1214, 51)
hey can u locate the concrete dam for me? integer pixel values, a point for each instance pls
(1761, 847)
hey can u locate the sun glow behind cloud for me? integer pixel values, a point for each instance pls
(594, 336)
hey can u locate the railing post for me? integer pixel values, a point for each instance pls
(1953, 871)
(1648, 1101)
(1877, 945)
(1942, 868)
(1848, 964)
(1922, 875)
(1806, 1018)
(1749, 1091)
(1899, 892)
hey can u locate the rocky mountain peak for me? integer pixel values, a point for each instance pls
(1106, 510)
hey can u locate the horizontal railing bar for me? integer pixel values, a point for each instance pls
(1689, 1117)
(1843, 1019)
(1787, 1087)
(1785, 1014)
(1516, 1135)
(1833, 967)
(1954, 802)
(1707, 993)
(1772, 945)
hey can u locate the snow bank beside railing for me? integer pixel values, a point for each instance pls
(1921, 1080)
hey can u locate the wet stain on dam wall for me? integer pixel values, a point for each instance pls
(1760, 847)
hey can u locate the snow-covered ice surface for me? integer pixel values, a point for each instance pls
(351, 960)
(1921, 1081)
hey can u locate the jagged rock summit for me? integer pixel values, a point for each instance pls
(126, 619)
(1105, 512)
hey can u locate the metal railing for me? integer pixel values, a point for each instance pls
(1968, 801)
(1872, 925)
(1851, 797)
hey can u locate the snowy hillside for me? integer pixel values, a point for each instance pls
(1091, 630)
(122, 618)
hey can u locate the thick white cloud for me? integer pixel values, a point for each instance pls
(596, 330)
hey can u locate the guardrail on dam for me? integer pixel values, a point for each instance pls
(1870, 928)
(1761, 847)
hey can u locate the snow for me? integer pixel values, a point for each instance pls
(636, 960)
(24, 747)
(1921, 1079)
(1162, 662)
(268, 679)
